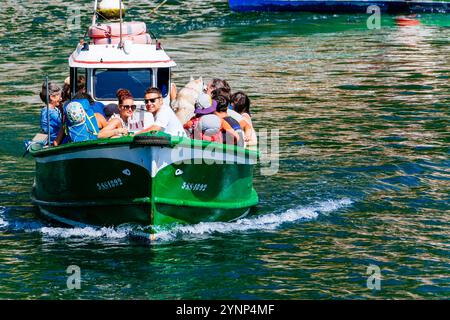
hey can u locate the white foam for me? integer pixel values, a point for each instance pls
(3, 222)
(265, 222)
(86, 232)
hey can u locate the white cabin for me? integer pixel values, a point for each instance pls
(108, 68)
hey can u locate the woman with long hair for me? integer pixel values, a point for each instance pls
(241, 104)
(118, 123)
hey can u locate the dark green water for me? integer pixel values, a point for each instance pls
(364, 176)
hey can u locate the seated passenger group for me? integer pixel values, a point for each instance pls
(219, 116)
(223, 117)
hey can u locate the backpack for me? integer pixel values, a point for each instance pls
(80, 122)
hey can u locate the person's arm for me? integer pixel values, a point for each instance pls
(61, 135)
(161, 122)
(43, 124)
(247, 128)
(101, 121)
(152, 128)
(113, 128)
(227, 128)
(173, 92)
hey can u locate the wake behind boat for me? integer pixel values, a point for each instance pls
(152, 178)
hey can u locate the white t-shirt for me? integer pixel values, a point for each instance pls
(168, 121)
(236, 116)
(140, 120)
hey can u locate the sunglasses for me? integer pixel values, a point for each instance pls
(127, 107)
(153, 100)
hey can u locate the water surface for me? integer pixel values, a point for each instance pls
(363, 180)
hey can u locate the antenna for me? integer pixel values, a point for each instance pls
(48, 110)
(120, 42)
(94, 17)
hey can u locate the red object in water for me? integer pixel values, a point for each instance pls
(404, 21)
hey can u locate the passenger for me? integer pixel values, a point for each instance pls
(204, 106)
(244, 125)
(232, 132)
(65, 95)
(54, 109)
(204, 115)
(110, 109)
(165, 119)
(81, 92)
(118, 123)
(79, 121)
(100, 119)
(81, 84)
(173, 92)
(241, 104)
(96, 106)
(218, 84)
(209, 128)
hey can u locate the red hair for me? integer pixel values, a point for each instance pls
(123, 94)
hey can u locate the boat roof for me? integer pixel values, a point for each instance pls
(131, 56)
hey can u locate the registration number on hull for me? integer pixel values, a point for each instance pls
(194, 186)
(110, 184)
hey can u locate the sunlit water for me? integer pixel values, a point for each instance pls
(363, 178)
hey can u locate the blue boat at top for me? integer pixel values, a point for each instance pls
(342, 6)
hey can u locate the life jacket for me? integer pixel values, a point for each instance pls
(236, 127)
(80, 122)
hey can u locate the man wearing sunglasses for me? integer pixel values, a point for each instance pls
(165, 119)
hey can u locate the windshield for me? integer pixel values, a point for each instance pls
(108, 81)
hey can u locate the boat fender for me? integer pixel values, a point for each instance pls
(151, 141)
(113, 30)
(137, 39)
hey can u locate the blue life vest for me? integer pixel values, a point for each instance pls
(80, 121)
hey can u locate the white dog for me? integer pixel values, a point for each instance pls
(184, 105)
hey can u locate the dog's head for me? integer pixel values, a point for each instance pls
(196, 84)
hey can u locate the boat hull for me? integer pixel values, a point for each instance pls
(343, 6)
(108, 184)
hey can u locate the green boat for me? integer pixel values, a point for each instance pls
(151, 179)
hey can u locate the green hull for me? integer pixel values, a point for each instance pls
(149, 180)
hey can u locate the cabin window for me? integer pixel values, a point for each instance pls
(163, 81)
(80, 74)
(108, 81)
